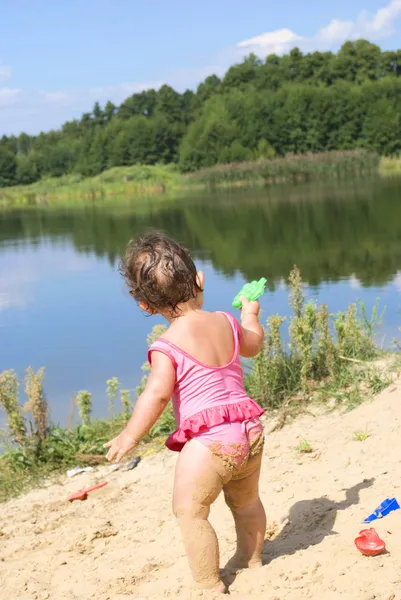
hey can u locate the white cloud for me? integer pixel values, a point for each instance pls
(20, 275)
(383, 20)
(16, 288)
(56, 96)
(373, 27)
(35, 110)
(275, 42)
(5, 73)
(9, 97)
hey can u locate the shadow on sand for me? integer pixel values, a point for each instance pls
(308, 523)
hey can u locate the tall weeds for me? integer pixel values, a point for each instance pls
(316, 349)
(292, 167)
(113, 385)
(125, 396)
(37, 403)
(9, 400)
(84, 402)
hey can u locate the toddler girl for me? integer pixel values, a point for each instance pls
(219, 436)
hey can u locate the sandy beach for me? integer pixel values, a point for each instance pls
(122, 543)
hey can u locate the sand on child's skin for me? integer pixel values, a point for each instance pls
(123, 542)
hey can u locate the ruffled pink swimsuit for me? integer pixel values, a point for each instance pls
(210, 403)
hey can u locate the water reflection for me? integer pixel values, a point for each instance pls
(331, 232)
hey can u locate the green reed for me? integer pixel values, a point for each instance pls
(292, 167)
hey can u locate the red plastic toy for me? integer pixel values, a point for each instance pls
(369, 543)
(83, 494)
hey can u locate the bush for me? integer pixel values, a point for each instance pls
(317, 347)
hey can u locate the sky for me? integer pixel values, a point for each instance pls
(58, 58)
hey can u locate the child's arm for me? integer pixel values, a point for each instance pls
(252, 334)
(148, 408)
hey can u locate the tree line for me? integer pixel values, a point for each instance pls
(294, 103)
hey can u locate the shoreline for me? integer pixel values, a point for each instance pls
(165, 180)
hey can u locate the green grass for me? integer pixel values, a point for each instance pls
(133, 181)
(304, 447)
(390, 166)
(361, 435)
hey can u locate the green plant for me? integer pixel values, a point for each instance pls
(361, 435)
(355, 331)
(113, 385)
(378, 381)
(84, 402)
(125, 396)
(37, 403)
(303, 331)
(320, 349)
(272, 376)
(327, 355)
(353, 396)
(296, 292)
(304, 447)
(9, 400)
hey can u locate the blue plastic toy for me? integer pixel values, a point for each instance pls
(385, 508)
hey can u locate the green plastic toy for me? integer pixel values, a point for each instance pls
(250, 291)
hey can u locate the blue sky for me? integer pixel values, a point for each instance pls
(57, 58)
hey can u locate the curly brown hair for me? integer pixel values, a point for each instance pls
(159, 272)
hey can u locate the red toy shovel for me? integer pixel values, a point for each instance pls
(369, 543)
(83, 494)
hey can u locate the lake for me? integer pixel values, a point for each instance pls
(63, 304)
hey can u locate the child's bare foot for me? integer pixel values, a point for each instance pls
(220, 588)
(237, 563)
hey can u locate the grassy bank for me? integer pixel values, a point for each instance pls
(321, 357)
(136, 180)
(142, 181)
(292, 167)
(390, 166)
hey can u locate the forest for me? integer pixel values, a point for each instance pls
(296, 103)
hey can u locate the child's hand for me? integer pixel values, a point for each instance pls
(249, 308)
(120, 446)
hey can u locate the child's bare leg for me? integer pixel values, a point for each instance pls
(242, 497)
(198, 481)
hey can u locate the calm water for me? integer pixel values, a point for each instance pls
(64, 306)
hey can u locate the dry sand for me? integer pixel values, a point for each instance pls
(123, 543)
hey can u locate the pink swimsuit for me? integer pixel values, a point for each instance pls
(210, 403)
